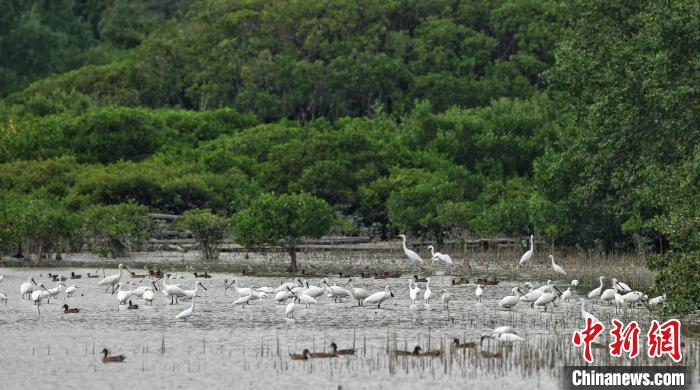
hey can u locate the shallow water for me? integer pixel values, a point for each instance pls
(229, 347)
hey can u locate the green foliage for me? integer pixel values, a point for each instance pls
(206, 227)
(283, 220)
(413, 205)
(38, 222)
(120, 227)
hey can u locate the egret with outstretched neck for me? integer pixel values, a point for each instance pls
(557, 268)
(413, 256)
(525, 259)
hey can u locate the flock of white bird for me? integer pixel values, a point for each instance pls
(301, 293)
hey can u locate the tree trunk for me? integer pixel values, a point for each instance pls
(293, 256)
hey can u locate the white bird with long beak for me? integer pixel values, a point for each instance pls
(242, 301)
(478, 292)
(445, 298)
(657, 300)
(378, 297)
(566, 295)
(622, 287)
(335, 292)
(428, 294)
(27, 287)
(413, 290)
(71, 290)
(413, 256)
(586, 315)
(557, 268)
(187, 313)
(608, 295)
(112, 280)
(547, 297)
(525, 259)
(123, 295)
(440, 256)
(358, 293)
(289, 310)
(509, 301)
(595, 293)
(190, 294)
(53, 292)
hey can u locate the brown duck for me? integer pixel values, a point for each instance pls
(66, 310)
(111, 359)
(300, 356)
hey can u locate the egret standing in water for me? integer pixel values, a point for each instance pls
(525, 259)
(187, 313)
(413, 256)
(428, 294)
(478, 292)
(413, 290)
(445, 298)
(289, 310)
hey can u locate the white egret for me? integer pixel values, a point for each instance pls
(358, 293)
(71, 290)
(478, 292)
(574, 283)
(413, 292)
(428, 294)
(378, 297)
(557, 268)
(509, 301)
(53, 292)
(187, 313)
(3, 297)
(413, 256)
(525, 259)
(445, 298)
(440, 256)
(289, 310)
(27, 287)
(595, 293)
(111, 280)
